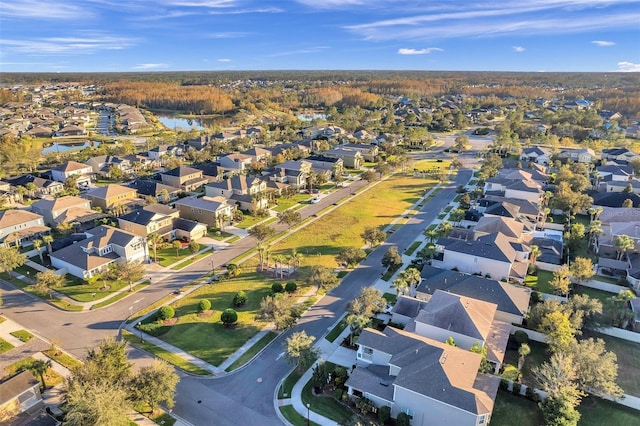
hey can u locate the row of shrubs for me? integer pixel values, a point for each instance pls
(289, 287)
(517, 387)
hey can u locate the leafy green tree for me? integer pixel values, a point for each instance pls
(10, 259)
(48, 280)
(560, 282)
(582, 269)
(623, 243)
(37, 244)
(240, 298)
(350, 256)
(261, 232)
(166, 313)
(204, 305)
(289, 217)
(322, 278)
(368, 175)
(229, 317)
(154, 240)
(356, 324)
(523, 351)
(320, 375)
(373, 236)
(559, 330)
(485, 365)
(96, 403)
(177, 245)
(392, 259)
(596, 368)
(300, 350)
(194, 247)
(444, 228)
(156, 384)
(291, 287)
(278, 309)
(130, 272)
(368, 303)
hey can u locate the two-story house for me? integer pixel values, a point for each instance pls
(19, 394)
(351, 158)
(102, 164)
(235, 163)
(55, 210)
(536, 154)
(213, 211)
(109, 196)
(20, 226)
(432, 382)
(184, 177)
(44, 187)
(247, 192)
(154, 218)
(72, 168)
(155, 189)
(103, 246)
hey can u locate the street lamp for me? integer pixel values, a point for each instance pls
(140, 323)
(308, 409)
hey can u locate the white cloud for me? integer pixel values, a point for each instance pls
(43, 9)
(224, 60)
(228, 34)
(426, 51)
(625, 66)
(518, 49)
(603, 43)
(79, 44)
(492, 19)
(149, 66)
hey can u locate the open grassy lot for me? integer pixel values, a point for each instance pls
(321, 240)
(205, 336)
(168, 256)
(628, 361)
(51, 378)
(253, 350)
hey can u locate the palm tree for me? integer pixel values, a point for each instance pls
(400, 284)
(296, 259)
(432, 234)
(279, 259)
(444, 228)
(48, 239)
(412, 277)
(40, 368)
(177, 245)
(535, 253)
(261, 252)
(37, 244)
(623, 243)
(154, 239)
(595, 230)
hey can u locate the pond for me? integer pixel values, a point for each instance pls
(173, 122)
(69, 146)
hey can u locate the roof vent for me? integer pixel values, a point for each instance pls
(384, 382)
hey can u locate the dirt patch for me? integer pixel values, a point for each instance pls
(205, 314)
(171, 321)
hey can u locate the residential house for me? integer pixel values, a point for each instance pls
(19, 394)
(247, 192)
(612, 172)
(103, 246)
(512, 301)
(493, 255)
(578, 155)
(40, 132)
(529, 190)
(186, 178)
(235, 163)
(44, 186)
(209, 210)
(210, 170)
(432, 382)
(329, 167)
(350, 158)
(620, 155)
(629, 186)
(71, 130)
(199, 143)
(615, 199)
(55, 210)
(160, 152)
(292, 172)
(536, 154)
(326, 132)
(73, 168)
(101, 165)
(259, 155)
(633, 131)
(188, 230)
(155, 189)
(154, 218)
(109, 196)
(20, 226)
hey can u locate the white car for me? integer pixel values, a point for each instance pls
(315, 200)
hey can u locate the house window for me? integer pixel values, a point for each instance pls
(408, 412)
(475, 260)
(481, 419)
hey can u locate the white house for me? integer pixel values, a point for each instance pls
(71, 168)
(536, 154)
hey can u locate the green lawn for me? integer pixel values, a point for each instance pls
(390, 298)
(51, 378)
(335, 332)
(537, 356)
(82, 291)
(170, 357)
(206, 337)
(62, 358)
(119, 296)
(319, 242)
(326, 405)
(216, 234)
(540, 282)
(448, 209)
(253, 350)
(593, 293)
(285, 203)
(512, 410)
(409, 251)
(169, 256)
(5, 346)
(294, 417)
(249, 220)
(23, 335)
(287, 385)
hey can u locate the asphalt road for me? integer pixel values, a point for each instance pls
(246, 396)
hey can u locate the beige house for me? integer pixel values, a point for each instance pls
(71, 168)
(155, 218)
(19, 226)
(243, 190)
(53, 209)
(183, 177)
(106, 197)
(209, 210)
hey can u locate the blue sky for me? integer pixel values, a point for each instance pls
(169, 35)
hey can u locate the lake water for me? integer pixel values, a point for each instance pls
(311, 117)
(180, 123)
(71, 146)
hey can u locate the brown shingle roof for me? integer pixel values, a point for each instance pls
(15, 217)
